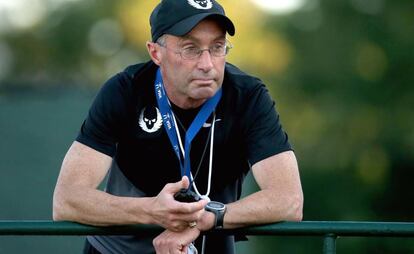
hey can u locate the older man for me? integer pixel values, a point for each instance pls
(178, 134)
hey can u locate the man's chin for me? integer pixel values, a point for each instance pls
(204, 93)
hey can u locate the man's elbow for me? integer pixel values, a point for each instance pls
(296, 213)
(56, 215)
(59, 208)
(57, 212)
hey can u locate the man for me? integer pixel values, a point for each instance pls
(186, 120)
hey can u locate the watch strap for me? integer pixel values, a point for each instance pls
(220, 219)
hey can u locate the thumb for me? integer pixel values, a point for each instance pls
(184, 183)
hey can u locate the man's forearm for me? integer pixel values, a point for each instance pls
(280, 197)
(264, 206)
(95, 207)
(90, 206)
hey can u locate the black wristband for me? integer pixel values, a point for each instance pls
(220, 219)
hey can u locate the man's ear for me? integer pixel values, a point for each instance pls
(154, 52)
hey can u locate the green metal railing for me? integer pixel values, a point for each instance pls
(328, 230)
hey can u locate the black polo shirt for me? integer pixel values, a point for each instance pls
(124, 122)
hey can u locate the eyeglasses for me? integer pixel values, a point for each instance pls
(193, 52)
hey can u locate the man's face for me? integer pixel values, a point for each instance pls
(190, 82)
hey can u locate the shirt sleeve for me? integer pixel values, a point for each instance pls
(264, 134)
(106, 118)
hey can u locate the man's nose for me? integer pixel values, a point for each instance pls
(205, 62)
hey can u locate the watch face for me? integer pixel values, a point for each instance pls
(215, 205)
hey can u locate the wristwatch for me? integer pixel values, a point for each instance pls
(219, 209)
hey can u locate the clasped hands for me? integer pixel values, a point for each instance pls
(183, 222)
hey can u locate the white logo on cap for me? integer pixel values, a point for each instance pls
(201, 4)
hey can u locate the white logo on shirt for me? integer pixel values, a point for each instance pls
(201, 4)
(150, 119)
(208, 125)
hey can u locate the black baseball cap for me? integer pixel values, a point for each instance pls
(178, 17)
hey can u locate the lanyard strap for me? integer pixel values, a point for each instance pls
(169, 125)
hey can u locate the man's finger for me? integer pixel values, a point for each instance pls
(190, 207)
(184, 183)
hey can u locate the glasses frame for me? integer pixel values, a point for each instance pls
(199, 51)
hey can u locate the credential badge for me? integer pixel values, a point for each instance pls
(201, 4)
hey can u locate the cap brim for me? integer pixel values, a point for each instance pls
(186, 25)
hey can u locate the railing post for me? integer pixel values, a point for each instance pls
(329, 244)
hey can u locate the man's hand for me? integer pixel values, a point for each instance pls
(206, 221)
(171, 242)
(171, 214)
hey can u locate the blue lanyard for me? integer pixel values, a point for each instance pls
(167, 117)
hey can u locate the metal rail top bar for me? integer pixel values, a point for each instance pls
(304, 228)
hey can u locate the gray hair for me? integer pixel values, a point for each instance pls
(161, 40)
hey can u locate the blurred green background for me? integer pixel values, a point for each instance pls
(340, 71)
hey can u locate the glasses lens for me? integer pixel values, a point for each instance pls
(216, 51)
(190, 53)
(219, 50)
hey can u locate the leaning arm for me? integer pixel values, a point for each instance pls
(76, 197)
(280, 197)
